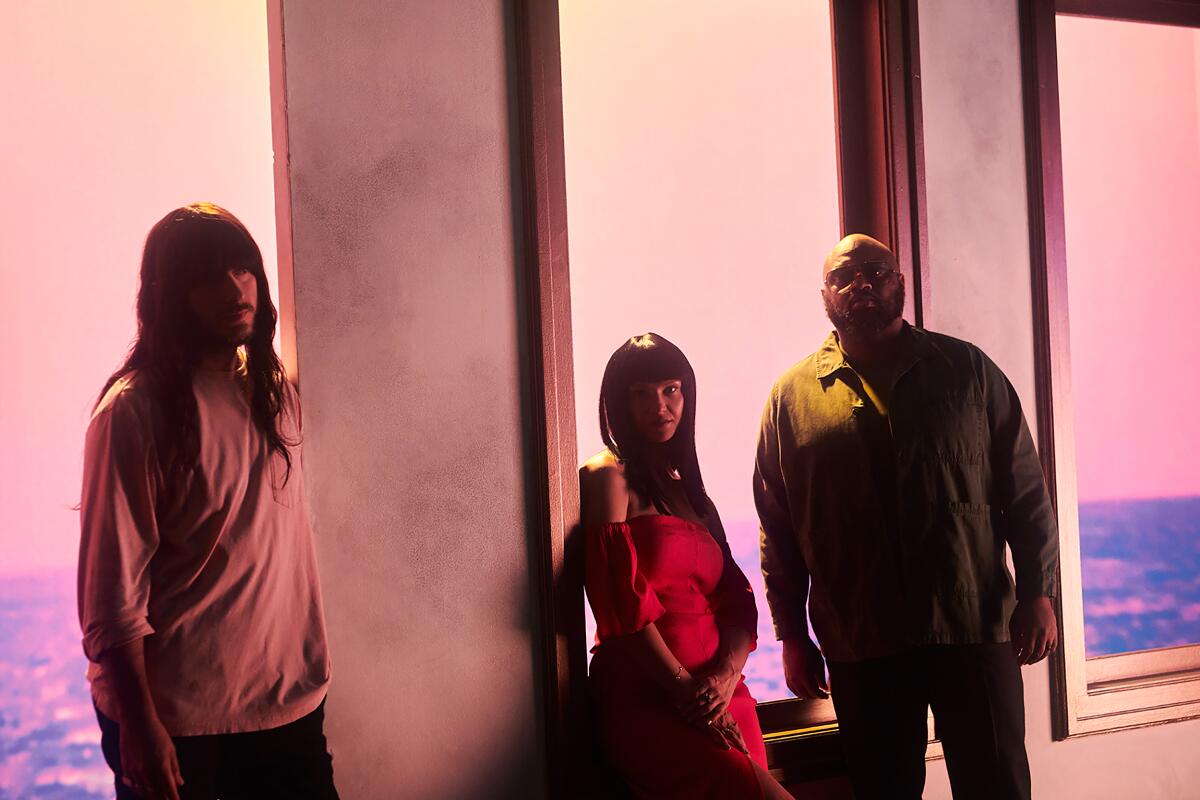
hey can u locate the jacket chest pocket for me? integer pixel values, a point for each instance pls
(952, 429)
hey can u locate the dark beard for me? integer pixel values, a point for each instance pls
(207, 340)
(866, 321)
(198, 338)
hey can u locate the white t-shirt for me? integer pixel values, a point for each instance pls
(221, 579)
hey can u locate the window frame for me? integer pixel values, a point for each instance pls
(1125, 690)
(881, 192)
(286, 278)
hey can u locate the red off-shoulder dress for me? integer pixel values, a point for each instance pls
(672, 572)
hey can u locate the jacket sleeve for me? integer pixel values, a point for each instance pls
(1019, 494)
(622, 601)
(118, 530)
(784, 571)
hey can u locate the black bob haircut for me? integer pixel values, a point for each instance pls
(650, 358)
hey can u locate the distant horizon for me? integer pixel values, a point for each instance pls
(50, 569)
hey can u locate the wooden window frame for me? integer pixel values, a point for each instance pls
(286, 279)
(881, 192)
(1126, 690)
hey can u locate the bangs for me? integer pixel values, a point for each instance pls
(653, 365)
(649, 358)
(207, 246)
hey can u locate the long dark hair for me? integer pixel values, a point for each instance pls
(183, 247)
(651, 358)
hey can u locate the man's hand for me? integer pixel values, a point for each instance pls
(148, 759)
(147, 753)
(1034, 630)
(804, 669)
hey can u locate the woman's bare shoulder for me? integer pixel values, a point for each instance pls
(605, 493)
(602, 466)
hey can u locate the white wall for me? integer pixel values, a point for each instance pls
(979, 252)
(407, 339)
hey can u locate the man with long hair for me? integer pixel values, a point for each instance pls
(198, 591)
(894, 465)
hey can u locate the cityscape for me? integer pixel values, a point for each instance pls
(1141, 574)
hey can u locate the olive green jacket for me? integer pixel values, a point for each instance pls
(921, 563)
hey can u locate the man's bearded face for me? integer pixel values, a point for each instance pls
(863, 299)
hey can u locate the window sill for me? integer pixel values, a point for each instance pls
(802, 742)
(1134, 690)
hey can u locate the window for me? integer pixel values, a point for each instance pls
(706, 220)
(1118, 186)
(711, 160)
(87, 151)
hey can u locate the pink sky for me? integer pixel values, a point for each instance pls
(114, 115)
(701, 198)
(1131, 175)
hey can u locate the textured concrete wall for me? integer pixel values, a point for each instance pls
(406, 329)
(979, 249)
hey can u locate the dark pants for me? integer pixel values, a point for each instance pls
(978, 705)
(289, 762)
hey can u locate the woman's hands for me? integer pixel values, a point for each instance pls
(682, 689)
(711, 690)
(703, 701)
(725, 730)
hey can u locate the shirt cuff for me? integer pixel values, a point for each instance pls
(100, 637)
(1038, 584)
(786, 629)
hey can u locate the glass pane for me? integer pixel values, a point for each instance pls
(1131, 178)
(116, 113)
(702, 199)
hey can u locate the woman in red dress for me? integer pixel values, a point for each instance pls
(675, 615)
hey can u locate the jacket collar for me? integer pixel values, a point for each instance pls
(831, 359)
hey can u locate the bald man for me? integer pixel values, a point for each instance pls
(894, 465)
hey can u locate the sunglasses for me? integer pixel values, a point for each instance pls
(872, 272)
